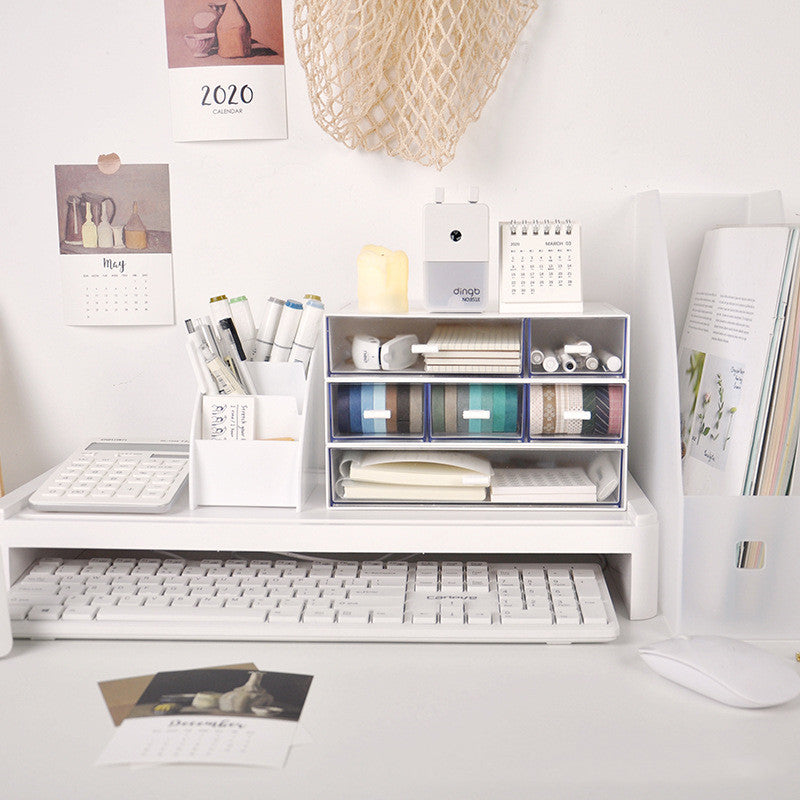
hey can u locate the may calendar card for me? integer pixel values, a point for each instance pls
(212, 716)
(226, 69)
(115, 244)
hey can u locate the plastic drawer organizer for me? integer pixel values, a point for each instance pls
(527, 394)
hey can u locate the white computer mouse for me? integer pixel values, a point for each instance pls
(728, 670)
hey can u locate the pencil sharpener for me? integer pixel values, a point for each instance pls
(456, 254)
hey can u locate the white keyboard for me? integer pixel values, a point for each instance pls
(316, 600)
(116, 476)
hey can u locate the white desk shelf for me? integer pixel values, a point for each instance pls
(628, 538)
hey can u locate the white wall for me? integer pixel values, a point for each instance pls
(599, 101)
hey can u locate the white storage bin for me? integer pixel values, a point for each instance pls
(269, 470)
(703, 587)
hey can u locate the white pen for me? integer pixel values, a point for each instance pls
(266, 332)
(238, 363)
(287, 328)
(205, 381)
(307, 330)
(226, 380)
(243, 320)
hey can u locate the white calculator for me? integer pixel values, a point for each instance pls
(116, 476)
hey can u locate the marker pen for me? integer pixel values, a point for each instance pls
(243, 320)
(306, 336)
(591, 362)
(611, 362)
(287, 328)
(269, 324)
(568, 363)
(549, 362)
(220, 308)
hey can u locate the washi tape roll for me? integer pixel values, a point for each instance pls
(499, 405)
(415, 411)
(601, 410)
(379, 404)
(590, 407)
(462, 404)
(391, 407)
(451, 409)
(342, 409)
(366, 403)
(512, 423)
(437, 409)
(487, 404)
(616, 403)
(548, 410)
(536, 409)
(403, 409)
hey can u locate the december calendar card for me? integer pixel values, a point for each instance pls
(226, 69)
(115, 243)
(212, 716)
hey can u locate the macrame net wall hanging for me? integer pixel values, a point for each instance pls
(405, 76)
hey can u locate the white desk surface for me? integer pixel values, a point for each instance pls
(419, 721)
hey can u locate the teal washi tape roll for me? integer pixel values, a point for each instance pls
(512, 409)
(487, 404)
(498, 408)
(474, 400)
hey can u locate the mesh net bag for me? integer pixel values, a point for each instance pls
(406, 76)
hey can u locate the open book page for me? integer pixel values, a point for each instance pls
(728, 352)
(417, 467)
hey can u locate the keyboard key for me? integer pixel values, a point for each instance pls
(179, 614)
(45, 613)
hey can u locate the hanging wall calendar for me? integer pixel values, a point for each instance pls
(226, 69)
(115, 244)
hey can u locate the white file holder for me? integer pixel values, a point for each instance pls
(703, 589)
(272, 470)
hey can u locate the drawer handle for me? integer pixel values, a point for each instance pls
(577, 415)
(477, 413)
(377, 413)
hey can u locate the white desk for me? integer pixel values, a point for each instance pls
(429, 722)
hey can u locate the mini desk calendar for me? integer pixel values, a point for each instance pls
(129, 289)
(540, 266)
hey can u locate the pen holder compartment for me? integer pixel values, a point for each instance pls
(576, 410)
(271, 468)
(475, 410)
(377, 410)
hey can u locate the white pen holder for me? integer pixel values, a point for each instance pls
(273, 468)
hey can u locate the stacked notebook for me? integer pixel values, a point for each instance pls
(462, 347)
(421, 476)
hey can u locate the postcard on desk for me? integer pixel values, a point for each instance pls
(226, 70)
(212, 716)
